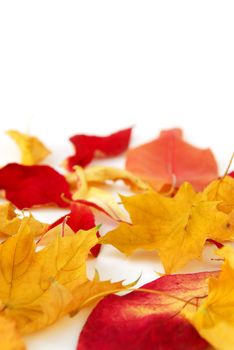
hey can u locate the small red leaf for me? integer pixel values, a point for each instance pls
(170, 160)
(146, 321)
(28, 186)
(89, 147)
(79, 218)
(231, 174)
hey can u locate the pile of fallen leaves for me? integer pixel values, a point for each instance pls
(179, 204)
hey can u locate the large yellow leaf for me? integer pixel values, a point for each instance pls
(36, 287)
(10, 221)
(176, 227)
(39, 287)
(33, 151)
(214, 319)
(9, 336)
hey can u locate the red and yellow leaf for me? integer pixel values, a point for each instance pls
(148, 320)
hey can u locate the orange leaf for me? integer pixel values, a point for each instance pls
(170, 160)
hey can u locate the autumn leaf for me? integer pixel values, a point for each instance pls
(33, 151)
(80, 217)
(56, 275)
(89, 147)
(41, 304)
(92, 185)
(101, 198)
(170, 160)
(101, 174)
(214, 319)
(36, 185)
(176, 227)
(10, 222)
(148, 318)
(10, 338)
(222, 190)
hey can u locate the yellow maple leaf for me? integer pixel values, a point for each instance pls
(9, 336)
(39, 287)
(176, 227)
(33, 151)
(10, 221)
(214, 319)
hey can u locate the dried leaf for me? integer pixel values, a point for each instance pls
(214, 319)
(170, 160)
(51, 274)
(36, 185)
(176, 227)
(56, 276)
(10, 222)
(100, 174)
(89, 147)
(9, 336)
(100, 197)
(32, 149)
(148, 320)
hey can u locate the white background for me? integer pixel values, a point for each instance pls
(69, 67)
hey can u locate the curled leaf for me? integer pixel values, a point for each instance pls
(101, 198)
(89, 147)
(101, 174)
(33, 151)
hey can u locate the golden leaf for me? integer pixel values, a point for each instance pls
(36, 286)
(33, 151)
(39, 287)
(176, 227)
